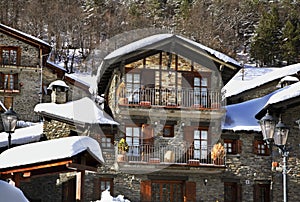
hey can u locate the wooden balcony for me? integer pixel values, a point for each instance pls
(181, 155)
(172, 98)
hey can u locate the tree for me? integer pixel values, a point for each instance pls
(265, 47)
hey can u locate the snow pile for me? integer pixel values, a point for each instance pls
(106, 197)
(9, 193)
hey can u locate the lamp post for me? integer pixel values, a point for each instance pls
(9, 119)
(277, 135)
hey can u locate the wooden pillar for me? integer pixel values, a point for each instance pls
(80, 185)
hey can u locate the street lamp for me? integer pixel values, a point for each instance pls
(276, 135)
(9, 119)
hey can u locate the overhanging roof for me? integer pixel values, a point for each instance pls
(52, 156)
(169, 43)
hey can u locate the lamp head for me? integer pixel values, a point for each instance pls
(9, 119)
(267, 124)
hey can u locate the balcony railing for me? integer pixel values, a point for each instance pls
(180, 155)
(172, 98)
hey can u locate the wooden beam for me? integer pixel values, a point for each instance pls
(80, 167)
(80, 186)
(26, 169)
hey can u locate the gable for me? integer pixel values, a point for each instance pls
(170, 43)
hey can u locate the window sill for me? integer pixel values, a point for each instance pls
(9, 91)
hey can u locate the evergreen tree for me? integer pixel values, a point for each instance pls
(266, 42)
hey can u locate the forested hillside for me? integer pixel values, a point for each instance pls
(269, 30)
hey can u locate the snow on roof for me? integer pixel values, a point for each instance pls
(87, 79)
(142, 43)
(84, 110)
(50, 150)
(57, 83)
(23, 135)
(27, 35)
(289, 78)
(11, 193)
(241, 116)
(285, 93)
(235, 87)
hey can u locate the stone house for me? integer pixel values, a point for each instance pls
(165, 92)
(26, 73)
(249, 171)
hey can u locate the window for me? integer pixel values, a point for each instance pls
(200, 91)
(232, 146)
(260, 148)
(262, 192)
(200, 144)
(9, 82)
(9, 55)
(168, 131)
(107, 141)
(133, 84)
(134, 138)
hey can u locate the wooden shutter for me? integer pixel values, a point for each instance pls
(255, 147)
(190, 192)
(148, 134)
(1, 81)
(16, 81)
(145, 193)
(239, 146)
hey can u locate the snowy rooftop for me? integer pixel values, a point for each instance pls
(24, 34)
(87, 79)
(23, 135)
(57, 83)
(236, 85)
(84, 110)
(237, 121)
(43, 151)
(140, 44)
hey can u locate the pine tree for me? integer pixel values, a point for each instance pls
(266, 42)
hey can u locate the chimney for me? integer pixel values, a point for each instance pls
(59, 91)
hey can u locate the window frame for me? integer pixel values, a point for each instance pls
(236, 146)
(171, 131)
(257, 146)
(15, 49)
(9, 82)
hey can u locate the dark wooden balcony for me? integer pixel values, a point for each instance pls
(172, 98)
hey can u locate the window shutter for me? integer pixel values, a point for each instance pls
(1, 81)
(239, 146)
(145, 191)
(16, 82)
(239, 193)
(255, 147)
(148, 134)
(189, 134)
(190, 192)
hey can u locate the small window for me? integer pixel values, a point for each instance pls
(9, 55)
(107, 141)
(168, 131)
(9, 82)
(232, 146)
(260, 148)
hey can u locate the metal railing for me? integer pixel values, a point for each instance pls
(181, 155)
(172, 98)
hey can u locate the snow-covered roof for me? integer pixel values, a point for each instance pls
(142, 43)
(57, 83)
(87, 79)
(23, 135)
(50, 150)
(10, 193)
(289, 78)
(26, 35)
(236, 85)
(241, 117)
(237, 121)
(84, 110)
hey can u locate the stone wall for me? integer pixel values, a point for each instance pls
(54, 129)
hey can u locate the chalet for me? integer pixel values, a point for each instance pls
(165, 92)
(25, 73)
